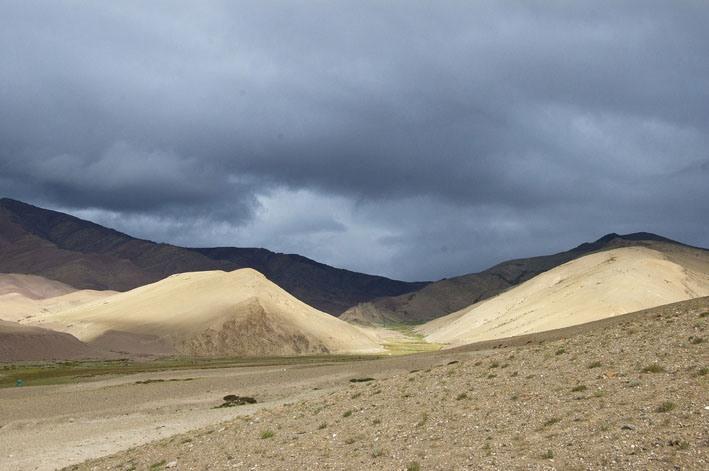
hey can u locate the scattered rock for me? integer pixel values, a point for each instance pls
(628, 427)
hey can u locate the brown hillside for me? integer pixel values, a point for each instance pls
(25, 343)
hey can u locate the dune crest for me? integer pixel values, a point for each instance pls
(590, 288)
(211, 313)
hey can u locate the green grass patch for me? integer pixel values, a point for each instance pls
(44, 373)
(654, 368)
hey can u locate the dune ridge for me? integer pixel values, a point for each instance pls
(590, 288)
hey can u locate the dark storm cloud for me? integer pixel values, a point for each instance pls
(407, 138)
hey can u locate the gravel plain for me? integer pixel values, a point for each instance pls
(631, 392)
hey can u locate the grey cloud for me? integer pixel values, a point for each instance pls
(485, 130)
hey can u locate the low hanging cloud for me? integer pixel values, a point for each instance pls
(416, 141)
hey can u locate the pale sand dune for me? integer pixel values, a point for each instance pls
(32, 286)
(16, 307)
(210, 313)
(593, 287)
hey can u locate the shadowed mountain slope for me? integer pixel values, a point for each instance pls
(449, 295)
(26, 343)
(89, 256)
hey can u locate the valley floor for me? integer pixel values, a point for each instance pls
(628, 393)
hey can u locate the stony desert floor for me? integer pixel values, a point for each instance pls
(627, 393)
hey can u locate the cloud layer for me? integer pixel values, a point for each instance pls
(411, 139)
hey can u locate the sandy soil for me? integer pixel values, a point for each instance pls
(593, 287)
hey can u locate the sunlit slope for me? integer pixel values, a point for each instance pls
(18, 308)
(211, 313)
(592, 287)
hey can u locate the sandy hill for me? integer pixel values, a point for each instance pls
(452, 294)
(88, 256)
(26, 343)
(593, 287)
(210, 313)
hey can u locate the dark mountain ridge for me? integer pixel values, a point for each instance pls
(89, 256)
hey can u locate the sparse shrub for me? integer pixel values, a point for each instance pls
(267, 434)
(347, 413)
(549, 455)
(697, 340)
(232, 400)
(683, 445)
(599, 394)
(704, 314)
(377, 452)
(322, 426)
(515, 396)
(579, 388)
(666, 406)
(317, 410)
(552, 421)
(413, 466)
(158, 464)
(494, 364)
(561, 351)
(461, 396)
(424, 419)
(492, 375)
(703, 371)
(654, 368)
(595, 364)
(605, 426)
(355, 395)
(376, 422)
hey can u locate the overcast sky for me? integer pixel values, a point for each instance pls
(412, 139)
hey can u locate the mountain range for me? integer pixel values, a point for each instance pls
(86, 255)
(450, 295)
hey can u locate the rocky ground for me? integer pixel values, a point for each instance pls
(627, 394)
